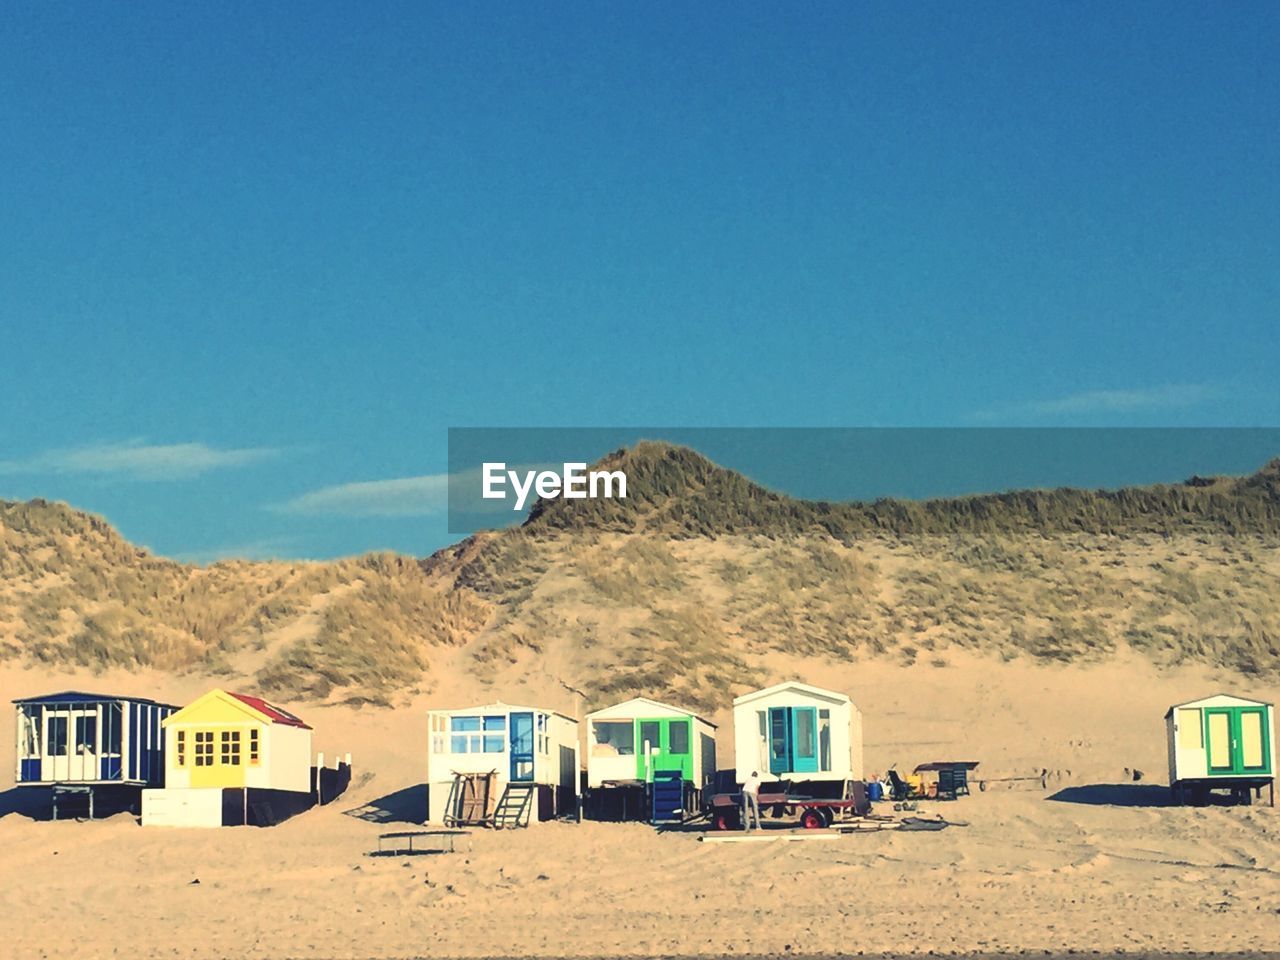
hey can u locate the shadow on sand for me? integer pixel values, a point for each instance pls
(403, 806)
(1116, 795)
(36, 803)
(33, 802)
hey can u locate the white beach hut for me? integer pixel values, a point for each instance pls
(794, 731)
(531, 752)
(1221, 742)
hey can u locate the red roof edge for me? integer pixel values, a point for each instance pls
(277, 714)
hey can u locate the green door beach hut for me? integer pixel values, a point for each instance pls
(628, 743)
(1221, 743)
(796, 732)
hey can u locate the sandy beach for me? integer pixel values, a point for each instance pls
(1094, 862)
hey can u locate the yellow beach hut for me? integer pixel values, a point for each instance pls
(229, 741)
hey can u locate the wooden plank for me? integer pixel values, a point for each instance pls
(761, 838)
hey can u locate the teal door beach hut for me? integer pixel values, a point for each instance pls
(797, 732)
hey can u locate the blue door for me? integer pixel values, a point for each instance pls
(779, 740)
(521, 746)
(804, 739)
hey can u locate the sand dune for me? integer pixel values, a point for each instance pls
(1096, 861)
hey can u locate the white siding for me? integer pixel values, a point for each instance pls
(286, 760)
(182, 808)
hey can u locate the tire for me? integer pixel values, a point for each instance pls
(813, 819)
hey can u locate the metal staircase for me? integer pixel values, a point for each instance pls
(514, 806)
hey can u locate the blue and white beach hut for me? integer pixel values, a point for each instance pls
(88, 739)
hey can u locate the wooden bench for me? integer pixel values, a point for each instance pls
(430, 841)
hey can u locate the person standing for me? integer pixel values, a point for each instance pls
(751, 800)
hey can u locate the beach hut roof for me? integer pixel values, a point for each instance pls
(79, 696)
(613, 708)
(271, 711)
(499, 707)
(255, 707)
(1229, 696)
(796, 685)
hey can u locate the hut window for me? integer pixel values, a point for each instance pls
(464, 725)
(112, 729)
(180, 742)
(204, 748)
(824, 740)
(86, 734)
(614, 738)
(30, 732)
(231, 748)
(1251, 739)
(498, 723)
(1190, 732)
(254, 746)
(679, 734)
(649, 735)
(493, 744)
(58, 735)
(803, 721)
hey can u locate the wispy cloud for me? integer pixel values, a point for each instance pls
(1126, 401)
(272, 548)
(400, 497)
(1138, 400)
(138, 460)
(422, 496)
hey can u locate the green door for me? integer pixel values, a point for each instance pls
(1255, 748)
(1237, 741)
(672, 738)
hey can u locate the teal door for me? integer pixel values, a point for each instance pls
(804, 739)
(779, 740)
(521, 747)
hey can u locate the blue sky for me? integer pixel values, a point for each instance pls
(250, 257)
